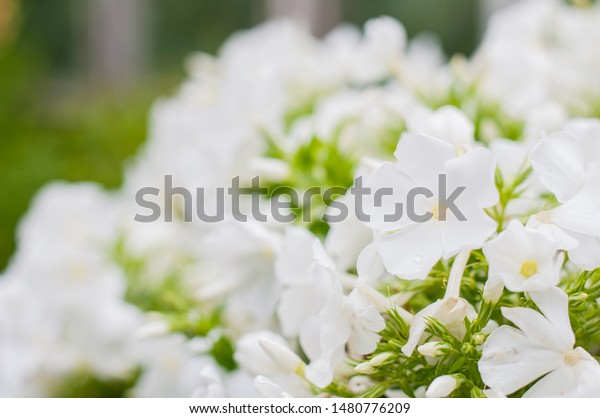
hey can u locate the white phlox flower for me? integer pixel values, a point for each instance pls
(541, 347)
(409, 248)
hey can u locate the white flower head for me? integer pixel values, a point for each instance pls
(410, 248)
(447, 122)
(543, 346)
(523, 260)
(315, 307)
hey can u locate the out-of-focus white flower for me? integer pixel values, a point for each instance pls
(421, 161)
(379, 54)
(171, 369)
(239, 258)
(555, 65)
(542, 346)
(523, 260)
(75, 319)
(569, 166)
(315, 307)
(447, 123)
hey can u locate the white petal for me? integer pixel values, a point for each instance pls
(470, 234)
(346, 239)
(554, 304)
(387, 176)
(411, 252)
(579, 380)
(564, 240)
(269, 389)
(587, 255)
(510, 360)
(536, 327)
(369, 265)
(581, 213)
(294, 260)
(296, 304)
(475, 171)
(418, 327)
(366, 322)
(423, 157)
(559, 163)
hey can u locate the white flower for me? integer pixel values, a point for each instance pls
(447, 122)
(239, 265)
(541, 347)
(315, 307)
(408, 248)
(441, 387)
(379, 54)
(569, 167)
(523, 260)
(171, 369)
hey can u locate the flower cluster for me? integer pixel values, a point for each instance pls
(501, 299)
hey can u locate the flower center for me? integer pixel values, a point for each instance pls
(572, 357)
(544, 217)
(436, 211)
(529, 268)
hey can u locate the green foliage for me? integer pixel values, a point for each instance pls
(508, 189)
(317, 162)
(584, 309)
(489, 118)
(70, 136)
(173, 301)
(222, 351)
(84, 384)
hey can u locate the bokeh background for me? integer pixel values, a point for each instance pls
(78, 77)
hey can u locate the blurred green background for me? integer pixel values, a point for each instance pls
(78, 77)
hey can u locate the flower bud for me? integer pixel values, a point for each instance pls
(578, 296)
(441, 387)
(283, 357)
(492, 291)
(380, 358)
(433, 349)
(364, 368)
(467, 348)
(478, 338)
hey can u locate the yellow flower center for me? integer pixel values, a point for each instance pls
(529, 268)
(572, 357)
(436, 211)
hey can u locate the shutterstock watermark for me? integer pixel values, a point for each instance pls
(288, 204)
